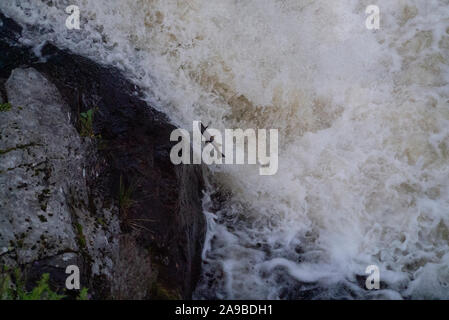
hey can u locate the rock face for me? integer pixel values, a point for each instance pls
(42, 188)
(100, 194)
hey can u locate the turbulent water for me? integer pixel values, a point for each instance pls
(363, 118)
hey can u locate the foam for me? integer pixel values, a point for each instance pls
(363, 119)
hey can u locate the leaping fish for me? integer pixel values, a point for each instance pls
(210, 138)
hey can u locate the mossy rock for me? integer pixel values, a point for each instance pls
(160, 292)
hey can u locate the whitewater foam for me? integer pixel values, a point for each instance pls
(363, 119)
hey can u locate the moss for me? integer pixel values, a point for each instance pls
(5, 107)
(81, 238)
(43, 199)
(101, 222)
(45, 170)
(19, 147)
(42, 218)
(159, 292)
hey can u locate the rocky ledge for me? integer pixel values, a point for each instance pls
(86, 179)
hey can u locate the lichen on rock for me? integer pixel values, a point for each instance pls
(43, 192)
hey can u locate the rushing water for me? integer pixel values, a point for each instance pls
(363, 118)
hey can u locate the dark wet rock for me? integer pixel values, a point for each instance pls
(130, 217)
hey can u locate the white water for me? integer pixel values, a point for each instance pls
(364, 128)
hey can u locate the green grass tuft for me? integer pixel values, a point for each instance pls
(15, 290)
(83, 294)
(125, 196)
(87, 123)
